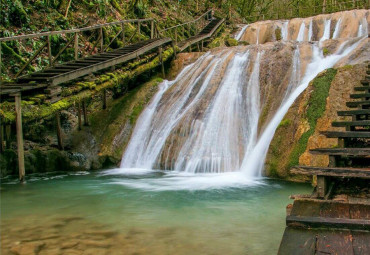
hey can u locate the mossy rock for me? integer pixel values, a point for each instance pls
(230, 42)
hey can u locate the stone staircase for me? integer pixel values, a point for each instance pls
(335, 218)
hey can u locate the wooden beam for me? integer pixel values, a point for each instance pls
(347, 152)
(322, 186)
(59, 131)
(49, 51)
(86, 118)
(123, 34)
(20, 146)
(31, 59)
(76, 46)
(323, 222)
(101, 35)
(346, 172)
(152, 29)
(346, 134)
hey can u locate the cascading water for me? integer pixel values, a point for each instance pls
(207, 120)
(326, 34)
(240, 34)
(284, 31)
(310, 32)
(300, 37)
(337, 29)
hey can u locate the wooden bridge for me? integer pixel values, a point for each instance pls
(335, 219)
(57, 74)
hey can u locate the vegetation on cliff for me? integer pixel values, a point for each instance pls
(295, 129)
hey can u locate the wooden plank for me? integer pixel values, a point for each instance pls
(324, 222)
(354, 112)
(297, 242)
(365, 82)
(332, 171)
(357, 123)
(349, 152)
(346, 134)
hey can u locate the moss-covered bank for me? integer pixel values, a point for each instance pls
(311, 113)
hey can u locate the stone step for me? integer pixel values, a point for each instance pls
(354, 112)
(345, 172)
(348, 152)
(358, 123)
(346, 134)
(356, 104)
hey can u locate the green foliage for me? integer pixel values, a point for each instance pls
(316, 107)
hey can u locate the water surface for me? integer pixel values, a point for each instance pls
(120, 212)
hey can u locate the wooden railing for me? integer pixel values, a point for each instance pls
(302, 12)
(197, 23)
(97, 47)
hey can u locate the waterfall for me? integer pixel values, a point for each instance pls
(284, 30)
(253, 162)
(207, 119)
(241, 33)
(300, 37)
(337, 29)
(310, 33)
(326, 34)
(363, 28)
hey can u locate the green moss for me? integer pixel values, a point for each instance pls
(316, 107)
(326, 51)
(230, 42)
(284, 123)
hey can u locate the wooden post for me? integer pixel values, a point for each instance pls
(138, 28)
(123, 33)
(198, 47)
(183, 31)
(189, 49)
(59, 131)
(49, 51)
(76, 45)
(161, 60)
(18, 111)
(152, 29)
(322, 186)
(101, 40)
(104, 99)
(79, 115)
(86, 119)
(201, 43)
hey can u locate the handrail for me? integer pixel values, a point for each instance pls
(186, 23)
(74, 30)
